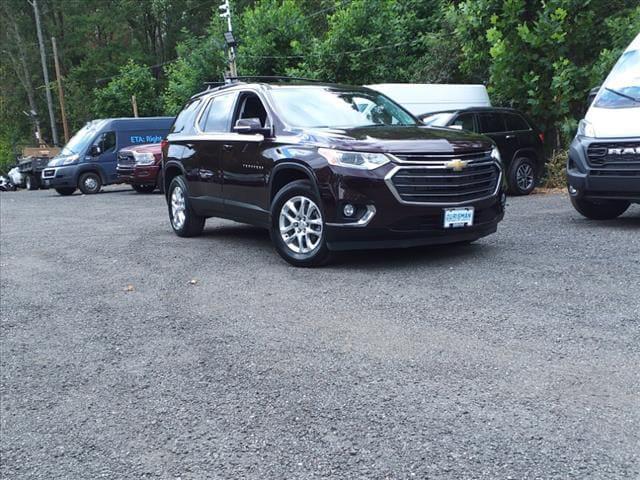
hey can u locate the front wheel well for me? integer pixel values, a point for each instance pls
(285, 176)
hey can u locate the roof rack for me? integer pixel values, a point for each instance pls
(271, 78)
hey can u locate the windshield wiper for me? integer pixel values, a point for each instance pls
(637, 100)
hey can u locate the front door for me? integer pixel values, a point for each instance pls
(106, 160)
(244, 166)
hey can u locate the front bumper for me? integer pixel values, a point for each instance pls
(138, 174)
(383, 220)
(617, 178)
(60, 177)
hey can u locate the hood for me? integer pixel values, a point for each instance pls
(614, 122)
(59, 160)
(154, 148)
(398, 139)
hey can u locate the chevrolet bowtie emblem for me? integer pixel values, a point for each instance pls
(456, 165)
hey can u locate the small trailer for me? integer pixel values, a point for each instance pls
(32, 162)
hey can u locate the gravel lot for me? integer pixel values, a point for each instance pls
(128, 352)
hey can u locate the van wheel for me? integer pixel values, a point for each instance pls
(90, 183)
(184, 221)
(522, 177)
(297, 225)
(66, 191)
(144, 188)
(601, 209)
(30, 182)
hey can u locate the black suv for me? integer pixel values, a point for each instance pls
(327, 167)
(520, 143)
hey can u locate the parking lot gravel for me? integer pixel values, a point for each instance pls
(128, 352)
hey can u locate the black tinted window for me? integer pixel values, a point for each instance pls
(491, 123)
(465, 121)
(106, 142)
(515, 122)
(186, 118)
(219, 113)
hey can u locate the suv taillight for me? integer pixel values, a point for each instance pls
(541, 137)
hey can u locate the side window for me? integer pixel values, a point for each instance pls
(218, 113)
(106, 142)
(491, 123)
(515, 122)
(186, 117)
(251, 107)
(465, 121)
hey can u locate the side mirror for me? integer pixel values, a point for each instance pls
(456, 127)
(250, 126)
(95, 150)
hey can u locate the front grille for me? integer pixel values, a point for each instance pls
(618, 156)
(125, 159)
(434, 183)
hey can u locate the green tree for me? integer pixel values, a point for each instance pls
(114, 100)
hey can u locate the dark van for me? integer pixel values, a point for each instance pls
(88, 161)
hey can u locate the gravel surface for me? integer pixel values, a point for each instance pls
(128, 352)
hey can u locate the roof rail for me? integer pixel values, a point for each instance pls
(270, 78)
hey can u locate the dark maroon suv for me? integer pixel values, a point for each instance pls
(325, 168)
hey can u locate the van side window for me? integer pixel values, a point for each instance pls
(186, 117)
(465, 121)
(219, 113)
(515, 122)
(491, 123)
(106, 142)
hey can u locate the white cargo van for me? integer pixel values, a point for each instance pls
(421, 98)
(603, 169)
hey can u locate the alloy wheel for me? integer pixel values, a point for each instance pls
(525, 177)
(300, 224)
(90, 183)
(178, 209)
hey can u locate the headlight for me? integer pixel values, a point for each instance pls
(359, 160)
(72, 159)
(495, 154)
(145, 158)
(585, 129)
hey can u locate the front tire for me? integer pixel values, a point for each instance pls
(297, 225)
(144, 188)
(184, 221)
(523, 176)
(30, 182)
(600, 210)
(90, 183)
(66, 191)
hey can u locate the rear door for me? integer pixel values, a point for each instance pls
(527, 137)
(493, 125)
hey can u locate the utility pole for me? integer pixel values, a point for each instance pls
(63, 112)
(134, 104)
(225, 10)
(45, 72)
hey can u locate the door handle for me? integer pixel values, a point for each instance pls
(227, 147)
(510, 136)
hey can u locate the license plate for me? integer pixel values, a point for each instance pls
(458, 217)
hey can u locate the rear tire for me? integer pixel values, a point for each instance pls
(601, 209)
(30, 182)
(523, 176)
(144, 188)
(90, 183)
(66, 191)
(184, 221)
(297, 225)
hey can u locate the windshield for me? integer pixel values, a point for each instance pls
(81, 140)
(438, 119)
(622, 87)
(323, 107)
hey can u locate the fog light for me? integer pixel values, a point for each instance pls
(349, 210)
(572, 190)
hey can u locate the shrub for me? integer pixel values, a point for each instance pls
(556, 170)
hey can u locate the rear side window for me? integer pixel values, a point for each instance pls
(186, 118)
(465, 121)
(218, 114)
(515, 122)
(491, 123)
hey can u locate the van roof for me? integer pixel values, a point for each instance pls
(134, 122)
(635, 44)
